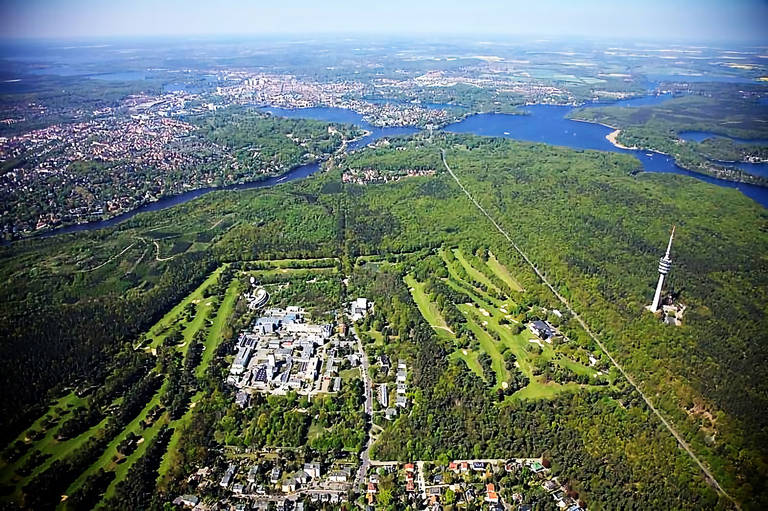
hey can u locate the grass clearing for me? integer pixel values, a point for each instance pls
(378, 337)
(105, 461)
(489, 345)
(350, 374)
(470, 358)
(217, 329)
(537, 390)
(325, 262)
(203, 311)
(503, 273)
(576, 367)
(428, 309)
(155, 333)
(295, 272)
(473, 272)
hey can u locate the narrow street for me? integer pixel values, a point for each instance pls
(365, 459)
(421, 483)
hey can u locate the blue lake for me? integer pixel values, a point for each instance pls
(121, 76)
(651, 99)
(699, 78)
(548, 124)
(759, 169)
(544, 123)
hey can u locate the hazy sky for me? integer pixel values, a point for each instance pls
(703, 20)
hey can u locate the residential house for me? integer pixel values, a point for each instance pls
(490, 493)
(228, 475)
(242, 399)
(186, 500)
(542, 330)
(252, 473)
(383, 395)
(313, 470)
(340, 475)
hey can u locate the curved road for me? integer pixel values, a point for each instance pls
(672, 430)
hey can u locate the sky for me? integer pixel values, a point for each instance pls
(693, 20)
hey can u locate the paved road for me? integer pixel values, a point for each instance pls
(421, 483)
(365, 459)
(664, 421)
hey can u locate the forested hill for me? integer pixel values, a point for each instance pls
(595, 229)
(597, 232)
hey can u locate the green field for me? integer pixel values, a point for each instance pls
(428, 309)
(490, 346)
(473, 272)
(503, 273)
(219, 322)
(210, 314)
(470, 358)
(294, 272)
(109, 459)
(488, 319)
(173, 317)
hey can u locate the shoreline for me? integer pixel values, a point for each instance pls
(158, 204)
(612, 138)
(728, 174)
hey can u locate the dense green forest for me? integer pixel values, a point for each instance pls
(563, 210)
(263, 143)
(72, 303)
(657, 127)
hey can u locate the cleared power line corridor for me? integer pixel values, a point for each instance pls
(664, 421)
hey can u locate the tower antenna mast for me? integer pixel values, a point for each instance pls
(665, 264)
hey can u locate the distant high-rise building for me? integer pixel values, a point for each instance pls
(665, 264)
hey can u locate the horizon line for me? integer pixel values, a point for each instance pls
(448, 37)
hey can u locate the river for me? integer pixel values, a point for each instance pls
(544, 123)
(166, 202)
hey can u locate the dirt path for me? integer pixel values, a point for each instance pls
(108, 260)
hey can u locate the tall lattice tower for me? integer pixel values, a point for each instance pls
(665, 264)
